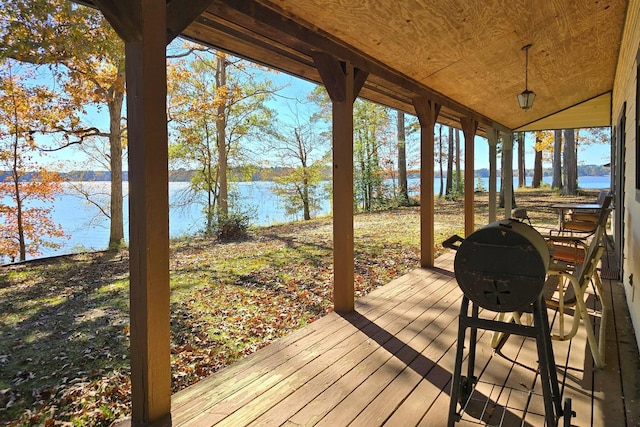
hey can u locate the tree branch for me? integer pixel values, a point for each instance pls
(81, 134)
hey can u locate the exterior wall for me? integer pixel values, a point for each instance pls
(625, 91)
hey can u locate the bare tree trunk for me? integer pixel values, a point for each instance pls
(458, 175)
(450, 145)
(570, 163)
(522, 171)
(557, 160)
(402, 161)
(537, 170)
(440, 159)
(577, 139)
(19, 215)
(221, 124)
(116, 233)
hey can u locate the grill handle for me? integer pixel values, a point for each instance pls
(453, 242)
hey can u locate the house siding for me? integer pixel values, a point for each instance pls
(625, 89)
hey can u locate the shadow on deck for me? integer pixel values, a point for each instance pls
(391, 361)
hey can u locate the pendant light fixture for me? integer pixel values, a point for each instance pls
(525, 99)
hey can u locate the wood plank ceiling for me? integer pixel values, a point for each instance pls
(465, 54)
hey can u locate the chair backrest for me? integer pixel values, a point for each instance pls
(585, 270)
(602, 195)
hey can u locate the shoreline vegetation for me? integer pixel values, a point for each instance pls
(254, 173)
(64, 335)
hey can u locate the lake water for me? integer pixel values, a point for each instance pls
(88, 230)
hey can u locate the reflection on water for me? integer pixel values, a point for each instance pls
(88, 229)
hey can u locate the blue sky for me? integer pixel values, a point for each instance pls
(297, 89)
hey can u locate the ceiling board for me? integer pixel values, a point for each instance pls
(595, 112)
(470, 50)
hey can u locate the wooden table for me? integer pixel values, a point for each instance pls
(562, 207)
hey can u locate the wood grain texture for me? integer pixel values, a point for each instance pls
(390, 363)
(471, 50)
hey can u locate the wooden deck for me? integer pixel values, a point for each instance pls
(391, 362)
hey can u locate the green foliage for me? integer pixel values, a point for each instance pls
(371, 133)
(479, 185)
(233, 226)
(457, 191)
(300, 190)
(215, 103)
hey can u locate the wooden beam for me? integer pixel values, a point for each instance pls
(332, 73)
(342, 81)
(276, 24)
(492, 138)
(427, 111)
(123, 16)
(469, 128)
(181, 13)
(149, 215)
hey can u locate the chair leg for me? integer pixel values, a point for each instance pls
(562, 336)
(604, 310)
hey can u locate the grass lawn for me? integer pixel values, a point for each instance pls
(64, 328)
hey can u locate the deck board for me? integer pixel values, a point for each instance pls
(390, 363)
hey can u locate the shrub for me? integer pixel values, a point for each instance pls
(233, 226)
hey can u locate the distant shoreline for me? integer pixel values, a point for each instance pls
(270, 174)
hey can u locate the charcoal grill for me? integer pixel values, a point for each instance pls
(502, 267)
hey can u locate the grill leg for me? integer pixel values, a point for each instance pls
(547, 365)
(454, 416)
(473, 338)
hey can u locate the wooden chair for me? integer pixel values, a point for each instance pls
(591, 216)
(585, 222)
(573, 278)
(573, 249)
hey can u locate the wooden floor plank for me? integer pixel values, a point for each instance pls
(351, 382)
(244, 379)
(419, 356)
(318, 368)
(390, 363)
(607, 384)
(622, 355)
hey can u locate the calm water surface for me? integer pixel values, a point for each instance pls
(88, 230)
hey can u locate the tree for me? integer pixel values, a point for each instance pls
(543, 146)
(26, 112)
(522, 171)
(87, 58)
(441, 156)
(214, 82)
(458, 175)
(450, 156)
(402, 161)
(305, 153)
(556, 181)
(371, 130)
(570, 162)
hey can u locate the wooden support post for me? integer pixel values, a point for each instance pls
(343, 83)
(507, 171)
(144, 27)
(492, 137)
(469, 128)
(427, 112)
(149, 217)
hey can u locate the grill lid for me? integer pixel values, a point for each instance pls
(502, 266)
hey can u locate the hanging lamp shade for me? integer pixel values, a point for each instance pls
(525, 99)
